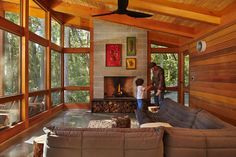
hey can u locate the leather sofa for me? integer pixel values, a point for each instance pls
(195, 133)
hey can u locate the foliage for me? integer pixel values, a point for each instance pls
(55, 69)
(77, 97)
(56, 98)
(77, 69)
(37, 25)
(169, 62)
(55, 32)
(11, 64)
(13, 17)
(36, 67)
(186, 71)
(76, 38)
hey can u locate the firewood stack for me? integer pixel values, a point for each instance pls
(113, 106)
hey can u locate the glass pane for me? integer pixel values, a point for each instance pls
(36, 19)
(10, 67)
(172, 95)
(37, 104)
(186, 70)
(11, 10)
(55, 69)
(56, 98)
(77, 96)
(75, 38)
(186, 99)
(55, 32)
(9, 113)
(36, 67)
(169, 62)
(76, 69)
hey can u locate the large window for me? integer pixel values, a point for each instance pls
(76, 69)
(76, 38)
(10, 67)
(56, 98)
(55, 69)
(11, 10)
(36, 67)
(37, 104)
(36, 19)
(55, 32)
(9, 78)
(186, 79)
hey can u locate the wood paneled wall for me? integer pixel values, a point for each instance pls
(213, 74)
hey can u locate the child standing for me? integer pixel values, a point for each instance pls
(140, 93)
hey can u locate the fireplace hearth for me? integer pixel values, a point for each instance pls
(118, 87)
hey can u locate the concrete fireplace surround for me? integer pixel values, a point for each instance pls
(110, 33)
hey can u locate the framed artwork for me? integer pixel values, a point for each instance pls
(131, 46)
(130, 63)
(113, 55)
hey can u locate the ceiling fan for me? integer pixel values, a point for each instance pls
(122, 9)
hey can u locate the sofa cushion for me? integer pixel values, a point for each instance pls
(199, 143)
(205, 120)
(100, 144)
(175, 114)
(139, 144)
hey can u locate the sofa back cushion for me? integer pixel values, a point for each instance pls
(185, 142)
(205, 120)
(117, 142)
(175, 114)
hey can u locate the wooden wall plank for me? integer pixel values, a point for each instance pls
(213, 74)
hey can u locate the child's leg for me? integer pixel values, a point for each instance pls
(140, 104)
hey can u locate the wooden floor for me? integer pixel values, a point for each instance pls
(22, 145)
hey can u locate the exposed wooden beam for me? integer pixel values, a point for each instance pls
(171, 9)
(123, 19)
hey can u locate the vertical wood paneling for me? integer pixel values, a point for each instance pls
(213, 86)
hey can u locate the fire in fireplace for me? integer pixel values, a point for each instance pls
(118, 86)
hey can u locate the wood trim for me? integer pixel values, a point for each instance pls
(91, 67)
(48, 62)
(11, 27)
(77, 106)
(38, 39)
(149, 42)
(76, 88)
(77, 50)
(62, 63)
(10, 98)
(35, 93)
(181, 78)
(56, 89)
(56, 47)
(25, 62)
(7, 134)
(164, 50)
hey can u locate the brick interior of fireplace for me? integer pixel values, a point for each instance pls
(120, 86)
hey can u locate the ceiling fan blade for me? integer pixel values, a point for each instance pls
(122, 4)
(114, 12)
(137, 14)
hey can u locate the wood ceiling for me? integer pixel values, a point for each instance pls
(185, 19)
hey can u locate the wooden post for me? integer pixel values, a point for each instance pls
(48, 60)
(25, 62)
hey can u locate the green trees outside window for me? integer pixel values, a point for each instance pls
(72, 96)
(56, 98)
(10, 67)
(36, 19)
(186, 70)
(36, 67)
(13, 17)
(76, 69)
(55, 69)
(76, 38)
(55, 32)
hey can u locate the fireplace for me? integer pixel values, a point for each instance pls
(118, 86)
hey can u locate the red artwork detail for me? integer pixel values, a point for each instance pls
(113, 55)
